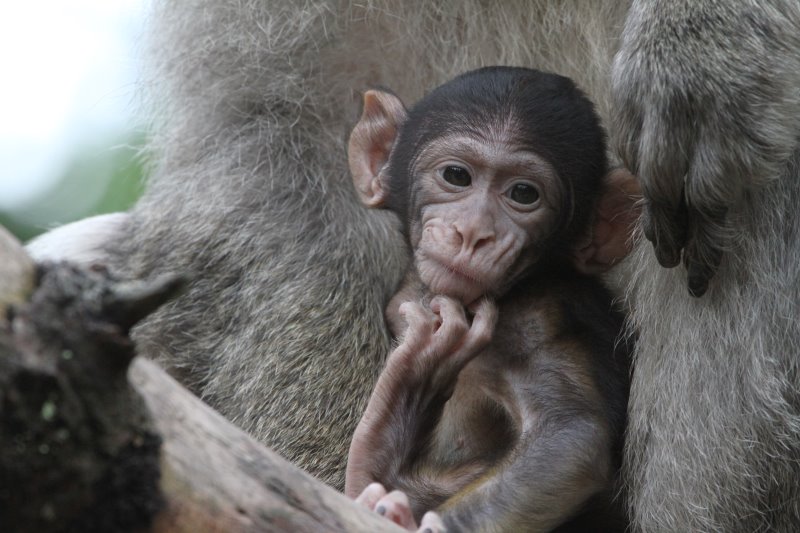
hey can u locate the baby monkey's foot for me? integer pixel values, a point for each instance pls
(394, 506)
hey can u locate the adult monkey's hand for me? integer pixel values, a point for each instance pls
(706, 107)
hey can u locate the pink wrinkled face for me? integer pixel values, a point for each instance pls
(483, 204)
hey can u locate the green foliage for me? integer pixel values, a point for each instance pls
(98, 180)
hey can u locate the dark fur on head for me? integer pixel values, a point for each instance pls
(543, 112)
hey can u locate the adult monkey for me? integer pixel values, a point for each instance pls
(282, 328)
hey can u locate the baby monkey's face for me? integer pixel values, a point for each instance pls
(482, 206)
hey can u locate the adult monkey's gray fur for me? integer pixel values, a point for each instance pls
(282, 328)
(708, 101)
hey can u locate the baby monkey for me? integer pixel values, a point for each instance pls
(503, 406)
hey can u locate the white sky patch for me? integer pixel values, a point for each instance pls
(67, 78)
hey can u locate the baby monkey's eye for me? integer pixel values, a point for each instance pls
(457, 176)
(525, 194)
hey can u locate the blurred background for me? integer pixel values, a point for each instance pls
(70, 125)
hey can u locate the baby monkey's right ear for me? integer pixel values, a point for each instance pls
(371, 143)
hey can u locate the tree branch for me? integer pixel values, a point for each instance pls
(82, 448)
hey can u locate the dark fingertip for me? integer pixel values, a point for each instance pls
(698, 289)
(647, 225)
(381, 510)
(668, 254)
(699, 273)
(427, 530)
(667, 258)
(698, 284)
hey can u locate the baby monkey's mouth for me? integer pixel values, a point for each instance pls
(444, 277)
(461, 273)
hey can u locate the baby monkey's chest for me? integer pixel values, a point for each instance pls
(483, 419)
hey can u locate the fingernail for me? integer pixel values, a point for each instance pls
(698, 286)
(667, 258)
(381, 510)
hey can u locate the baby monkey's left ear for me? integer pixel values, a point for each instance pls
(371, 143)
(612, 230)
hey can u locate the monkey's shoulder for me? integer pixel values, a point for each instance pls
(566, 334)
(561, 307)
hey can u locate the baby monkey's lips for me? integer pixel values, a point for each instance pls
(447, 278)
